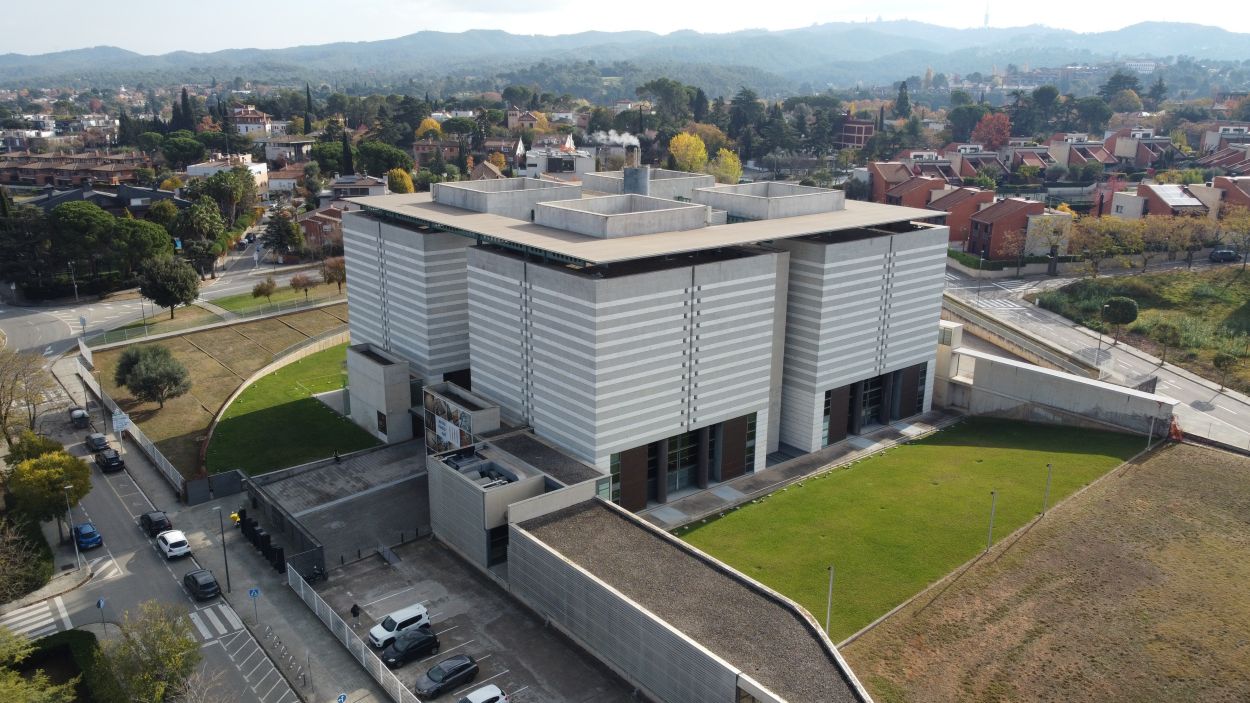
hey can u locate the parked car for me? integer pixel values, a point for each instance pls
(1222, 254)
(251, 237)
(96, 442)
(410, 644)
(450, 673)
(87, 536)
(79, 418)
(398, 621)
(201, 584)
(490, 693)
(155, 523)
(109, 460)
(173, 543)
(240, 245)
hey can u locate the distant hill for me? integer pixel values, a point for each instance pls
(839, 54)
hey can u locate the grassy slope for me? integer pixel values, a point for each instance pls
(1211, 307)
(243, 301)
(894, 523)
(277, 423)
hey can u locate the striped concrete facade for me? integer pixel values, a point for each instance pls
(857, 308)
(406, 292)
(601, 365)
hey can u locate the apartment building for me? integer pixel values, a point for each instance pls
(670, 344)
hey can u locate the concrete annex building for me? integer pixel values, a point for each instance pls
(668, 342)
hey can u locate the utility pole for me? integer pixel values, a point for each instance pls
(224, 557)
(829, 601)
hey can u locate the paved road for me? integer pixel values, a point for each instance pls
(1204, 409)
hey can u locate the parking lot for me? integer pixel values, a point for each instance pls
(471, 615)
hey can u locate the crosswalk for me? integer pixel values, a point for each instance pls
(215, 621)
(105, 568)
(38, 620)
(999, 303)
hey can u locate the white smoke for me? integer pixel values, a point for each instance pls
(614, 137)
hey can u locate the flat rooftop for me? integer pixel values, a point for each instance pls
(421, 210)
(738, 621)
(546, 459)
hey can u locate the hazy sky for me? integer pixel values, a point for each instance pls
(158, 27)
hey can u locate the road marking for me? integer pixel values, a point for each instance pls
(228, 613)
(204, 633)
(1227, 410)
(479, 682)
(390, 595)
(444, 651)
(212, 618)
(518, 691)
(60, 606)
(48, 351)
(34, 621)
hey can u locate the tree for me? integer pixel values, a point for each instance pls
(1154, 234)
(964, 119)
(22, 382)
(726, 167)
(1120, 80)
(180, 152)
(745, 111)
(155, 654)
(1119, 311)
(1125, 101)
(334, 270)
(32, 446)
(688, 151)
(1157, 94)
(1092, 113)
(38, 486)
(138, 240)
(1013, 246)
(150, 142)
(157, 376)
(993, 131)
(282, 234)
(1224, 362)
(163, 213)
(429, 129)
(378, 158)
(1235, 223)
(80, 229)
(902, 103)
(1094, 238)
(265, 289)
(1168, 335)
(499, 160)
(33, 687)
(347, 162)
(21, 571)
(301, 282)
(399, 181)
(169, 282)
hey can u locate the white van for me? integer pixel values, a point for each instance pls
(398, 621)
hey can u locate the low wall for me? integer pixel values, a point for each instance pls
(1015, 340)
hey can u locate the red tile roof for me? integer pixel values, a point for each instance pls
(954, 198)
(1004, 208)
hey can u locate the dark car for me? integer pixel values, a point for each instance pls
(79, 418)
(1222, 254)
(410, 644)
(96, 442)
(201, 584)
(154, 523)
(87, 536)
(446, 675)
(109, 460)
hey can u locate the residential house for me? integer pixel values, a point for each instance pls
(1139, 147)
(971, 160)
(322, 227)
(290, 148)
(220, 162)
(1073, 150)
(126, 198)
(248, 120)
(285, 180)
(855, 133)
(357, 185)
(1027, 154)
(884, 175)
(484, 170)
(1223, 135)
(927, 162)
(519, 119)
(960, 205)
(1233, 159)
(1159, 199)
(990, 228)
(1236, 190)
(915, 191)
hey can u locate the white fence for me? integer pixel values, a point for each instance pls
(343, 632)
(153, 454)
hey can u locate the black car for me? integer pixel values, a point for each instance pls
(410, 644)
(96, 442)
(446, 675)
(79, 418)
(201, 584)
(155, 523)
(109, 460)
(1222, 254)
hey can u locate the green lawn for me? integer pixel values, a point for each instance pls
(277, 423)
(283, 294)
(894, 523)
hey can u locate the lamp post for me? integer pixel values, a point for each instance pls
(980, 274)
(73, 279)
(222, 526)
(829, 600)
(1098, 354)
(69, 518)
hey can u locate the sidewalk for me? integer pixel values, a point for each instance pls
(703, 503)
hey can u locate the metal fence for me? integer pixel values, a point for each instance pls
(344, 634)
(126, 334)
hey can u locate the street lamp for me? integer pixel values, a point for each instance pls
(980, 274)
(1098, 354)
(222, 526)
(69, 517)
(73, 279)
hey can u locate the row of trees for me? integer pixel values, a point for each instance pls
(1100, 239)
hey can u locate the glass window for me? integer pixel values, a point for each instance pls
(924, 372)
(749, 460)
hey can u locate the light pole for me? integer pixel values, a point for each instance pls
(989, 539)
(69, 518)
(222, 525)
(73, 279)
(1102, 314)
(829, 600)
(980, 273)
(1046, 495)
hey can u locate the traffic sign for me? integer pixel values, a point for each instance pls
(120, 421)
(253, 593)
(82, 320)
(100, 604)
(342, 698)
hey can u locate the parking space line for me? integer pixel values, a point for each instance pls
(271, 688)
(480, 682)
(391, 595)
(265, 678)
(444, 651)
(442, 632)
(519, 690)
(248, 675)
(248, 659)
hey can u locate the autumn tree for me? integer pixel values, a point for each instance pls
(334, 270)
(993, 131)
(688, 152)
(155, 653)
(1095, 239)
(17, 683)
(398, 180)
(265, 289)
(1168, 335)
(429, 129)
(1224, 362)
(499, 160)
(1236, 227)
(1155, 235)
(726, 167)
(301, 282)
(713, 138)
(1013, 246)
(38, 486)
(23, 385)
(169, 282)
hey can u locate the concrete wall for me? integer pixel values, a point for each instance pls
(663, 183)
(768, 200)
(602, 365)
(376, 388)
(457, 514)
(551, 501)
(649, 653)
(508, 197)
(984, 384)
(1127, 206)
(856, 309)
(407, 293)
(614, 216)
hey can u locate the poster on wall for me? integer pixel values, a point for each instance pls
(448, 434)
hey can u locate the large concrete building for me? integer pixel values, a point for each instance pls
(669, 344)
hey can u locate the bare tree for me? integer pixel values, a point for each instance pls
(203, 686)
(1013, 245)
(23, 389)
(19, 564)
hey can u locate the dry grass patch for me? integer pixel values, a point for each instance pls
(312, 322)
(1135, 590)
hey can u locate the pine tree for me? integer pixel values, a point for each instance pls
(308, 104)
(188, 113)
(902, 104)
(349, 168)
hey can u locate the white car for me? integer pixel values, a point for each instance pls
(486, 694)
(173, 543)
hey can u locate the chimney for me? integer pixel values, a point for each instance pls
(637, 180)
(631, 156)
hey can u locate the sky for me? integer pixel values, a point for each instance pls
(160, 27)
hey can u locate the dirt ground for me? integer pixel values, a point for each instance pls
(1137, 589)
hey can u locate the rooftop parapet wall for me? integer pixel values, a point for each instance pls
(509, 197)
(770, 200)
(663, 183)
(614, 216)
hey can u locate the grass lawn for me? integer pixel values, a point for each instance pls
(184, 317)
(898, 521)
(1132, 591)
(283, 294)
(1211, 308)
(277, 423)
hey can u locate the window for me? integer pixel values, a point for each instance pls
(609, 488)
(381, 422)
(924, 373)
(1119, 208)
(749, 460)
(945, 338)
